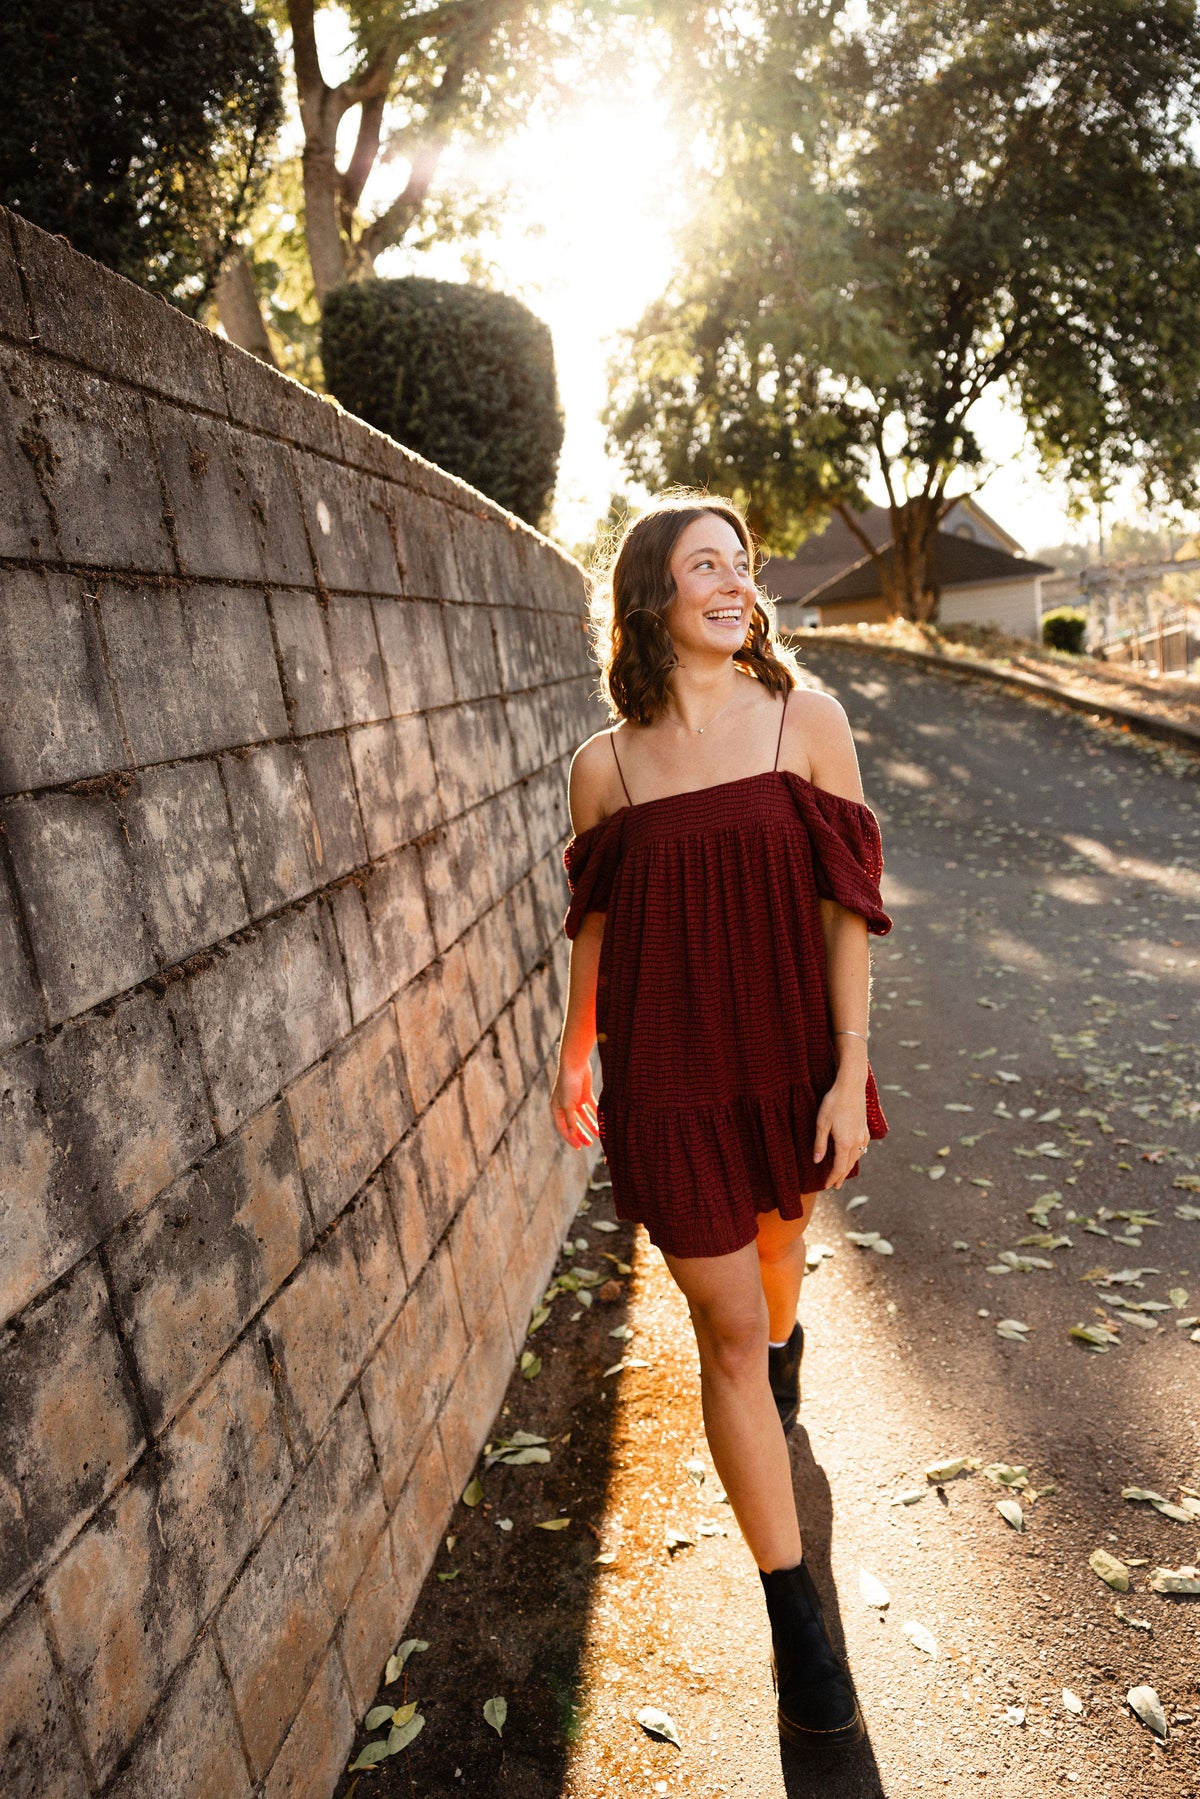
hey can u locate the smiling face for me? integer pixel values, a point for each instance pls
(714, 588)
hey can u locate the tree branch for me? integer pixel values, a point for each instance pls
(353, 178)
(238, 308)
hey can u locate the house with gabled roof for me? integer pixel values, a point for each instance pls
(981, 570)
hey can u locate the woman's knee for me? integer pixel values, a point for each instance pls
(732, 1341)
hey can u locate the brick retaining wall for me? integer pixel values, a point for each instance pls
(284, 721)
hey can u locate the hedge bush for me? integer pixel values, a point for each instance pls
(1063, 629)
(462, 375)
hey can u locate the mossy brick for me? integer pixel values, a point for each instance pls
(407, 1381)
(491, 952)
(534, 1041)
(224, 1470)
(190, 1273)
(429, 564)
(120, 1625)
(415, 661)
(514, 634)
(72, 867)
(502, 817)
(547, 813)
(126, 1600)
(348, 527)
(91, 452)
(233, 500)
(456, 867)
(375, 453)
(471, 752)
(419, 1518)
(272, 404)
(189, 1748)
(528, 936)
(313, 697)
(65, 727)
(338, 840)
(471, 646)
(489, 1089)
(462, 1014)
(93, 1125)
(86, 312)
(342, 1484)
(426, 1040)
(177, 825)
(485, 1223)
(274, 1629)
(488, 566)
(28, 521)
(532, 1142)
(267, 1006)
(69, 1430)
(348, 1113)
(522, 717)
(474, 1400)
(39, 1756)
(193, 668)
(323, 1327)
(350, 619)
(273, 824)
(397, 786)
(428, 1176)
(22, 1012)
(372, 1626)
(316, 1748)
(14, 316)
(383, 930)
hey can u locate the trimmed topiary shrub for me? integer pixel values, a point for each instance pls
(460, 374)
(1063, 629)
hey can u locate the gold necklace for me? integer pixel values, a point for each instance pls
(701, 729)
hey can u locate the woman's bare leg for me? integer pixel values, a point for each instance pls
(729, 1314)
(781, 1251)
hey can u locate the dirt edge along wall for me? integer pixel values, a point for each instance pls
(285, 715)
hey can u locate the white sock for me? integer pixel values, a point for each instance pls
(782, 1345)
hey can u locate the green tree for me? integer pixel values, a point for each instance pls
(139, 129)
(421, 79)
(906, 210)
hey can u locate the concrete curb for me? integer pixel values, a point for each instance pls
(1153, 724)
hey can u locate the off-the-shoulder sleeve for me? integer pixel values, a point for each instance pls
(591, 860)
(847, 851)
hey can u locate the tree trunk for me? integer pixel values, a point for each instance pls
(238, 308)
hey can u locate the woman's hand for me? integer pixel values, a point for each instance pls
(573, 1104)
(843, 1117)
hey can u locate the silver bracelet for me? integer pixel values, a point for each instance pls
(850, 1034)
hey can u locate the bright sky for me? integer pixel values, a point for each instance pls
(586, 245)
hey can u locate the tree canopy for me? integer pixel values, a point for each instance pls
(416, 80)
(139, 129)
(905, 210)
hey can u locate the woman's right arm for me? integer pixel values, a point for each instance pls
(572, 1100)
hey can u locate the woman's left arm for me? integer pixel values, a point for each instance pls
(842, 1115)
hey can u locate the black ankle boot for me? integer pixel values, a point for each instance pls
(816, 1699)
(785, 1376)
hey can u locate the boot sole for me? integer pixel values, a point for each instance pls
(842, 1736)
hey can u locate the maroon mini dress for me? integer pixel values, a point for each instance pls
(712, 1004)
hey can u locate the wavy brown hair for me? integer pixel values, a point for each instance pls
(633, 591)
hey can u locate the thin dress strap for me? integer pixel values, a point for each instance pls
(787, 696)
(613, 741)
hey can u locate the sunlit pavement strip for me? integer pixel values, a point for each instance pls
(1038, 998)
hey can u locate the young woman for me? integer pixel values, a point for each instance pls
(724, 875)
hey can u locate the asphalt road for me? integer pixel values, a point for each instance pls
(1034, 1035)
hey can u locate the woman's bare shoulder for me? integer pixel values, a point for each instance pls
(818, 743)
(592, 780)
